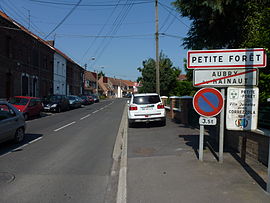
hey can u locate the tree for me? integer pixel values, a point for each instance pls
(229, 24)
(184, 88)
(216, 24)
(168, 75)
(101, 74)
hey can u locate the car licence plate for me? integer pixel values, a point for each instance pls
(149, 107)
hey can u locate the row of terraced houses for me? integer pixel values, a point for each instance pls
(31, 66)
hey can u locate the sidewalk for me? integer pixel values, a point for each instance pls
(163, 168)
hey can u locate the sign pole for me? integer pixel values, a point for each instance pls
(221, 131)
(201, 142)
(268, 181)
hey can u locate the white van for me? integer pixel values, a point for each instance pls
(146, 107)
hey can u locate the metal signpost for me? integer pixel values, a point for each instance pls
(207, 102)
(228, 68)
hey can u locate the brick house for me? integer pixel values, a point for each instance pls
(26, 61)
(129, 87)
(75, 74)
(89, 82)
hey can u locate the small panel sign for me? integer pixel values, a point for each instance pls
(242, 108)
(208, 120)
(225, 78)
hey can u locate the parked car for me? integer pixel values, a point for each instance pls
(12, 123)
(74, 101)
(56, 103)
(95, 97)
(128, 95)
(86, 100)
(29, 106)
(146, 108)
(91, 99)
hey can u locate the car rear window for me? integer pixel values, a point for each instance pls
(18, 101)
(153, 99)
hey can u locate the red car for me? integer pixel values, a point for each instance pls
(91, 99)
(29, 106)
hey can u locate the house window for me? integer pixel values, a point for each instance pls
(8, 46)
(35, 57)
(25, 88)
(34, 87)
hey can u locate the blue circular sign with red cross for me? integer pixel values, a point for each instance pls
(208, 102)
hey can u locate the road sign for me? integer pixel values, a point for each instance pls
(242, 108)
(207, 120)
(225, 78)
(208, 102)
(226, 58)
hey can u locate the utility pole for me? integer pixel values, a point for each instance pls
(157, 50)
(97, 83)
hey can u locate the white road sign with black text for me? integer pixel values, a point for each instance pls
(242, 108)
(207, 120)
(226, 58)
(225, 78)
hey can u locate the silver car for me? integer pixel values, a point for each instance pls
(12, 123)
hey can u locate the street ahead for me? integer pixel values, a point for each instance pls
(66, 157)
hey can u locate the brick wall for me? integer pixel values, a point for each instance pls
(253, 144)
(22, 54)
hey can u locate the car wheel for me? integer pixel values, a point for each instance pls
(130, 124)
(19, 135)
(26, 116)
(58, 109)
(163, 123)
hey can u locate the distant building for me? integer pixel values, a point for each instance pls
(89, 82)
(182, 77)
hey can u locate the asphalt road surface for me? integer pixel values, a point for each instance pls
(66, 157)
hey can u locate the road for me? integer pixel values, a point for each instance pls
(66, 157)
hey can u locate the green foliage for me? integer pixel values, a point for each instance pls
(184, 88)
(189, 72)
(229, 24)
(264, 86)
(216, 24)
(168, 75)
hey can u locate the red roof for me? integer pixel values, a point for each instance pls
(182, 77)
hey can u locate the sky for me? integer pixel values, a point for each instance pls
(113, 36)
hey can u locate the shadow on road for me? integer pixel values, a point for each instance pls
(193, 141)
(147, 125)
(10, 146)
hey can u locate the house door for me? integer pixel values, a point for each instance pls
(25, 85)
(8, 85)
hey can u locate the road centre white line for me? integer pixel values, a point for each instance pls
(64, 126)
(96, 111)
(85, 117)
(39, 138)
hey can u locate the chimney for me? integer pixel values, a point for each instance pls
(51, 42)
